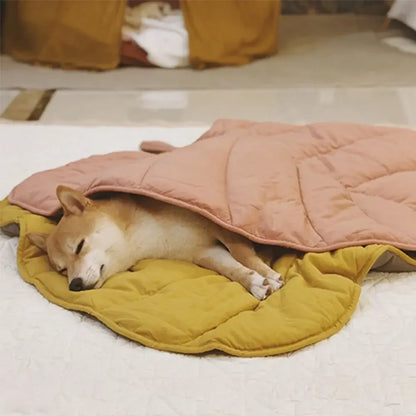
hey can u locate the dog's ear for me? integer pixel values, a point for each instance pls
(38, 239)
(72, 201)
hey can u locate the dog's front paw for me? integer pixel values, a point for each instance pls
(275, 280)
(261, 288)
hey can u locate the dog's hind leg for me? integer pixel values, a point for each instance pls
(243, 251)
(247, 256)
(219, 259)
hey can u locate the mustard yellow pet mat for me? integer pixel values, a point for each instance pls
(177, 306)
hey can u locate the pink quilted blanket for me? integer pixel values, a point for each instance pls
(315, 187)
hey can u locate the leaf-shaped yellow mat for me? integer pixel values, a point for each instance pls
(178, 306)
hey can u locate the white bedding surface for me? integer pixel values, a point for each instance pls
(58, 362)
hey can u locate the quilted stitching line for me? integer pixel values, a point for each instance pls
(318, 154)
(147, 171)
(304, 205)
(374, 196)
(226, 171)
(222, 323)
(379, 177)
(349, 191)
(355, 191)
(310, 339)
(362, 210)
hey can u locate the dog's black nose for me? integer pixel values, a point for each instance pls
(76, 284)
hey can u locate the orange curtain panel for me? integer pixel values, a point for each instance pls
(67, 33)
(230, 32)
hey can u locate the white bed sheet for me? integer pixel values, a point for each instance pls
(58, 362)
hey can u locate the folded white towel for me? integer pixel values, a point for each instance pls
(165, 40)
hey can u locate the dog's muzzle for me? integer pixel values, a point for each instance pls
(76, 284)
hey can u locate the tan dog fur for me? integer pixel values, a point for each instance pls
(97, 238)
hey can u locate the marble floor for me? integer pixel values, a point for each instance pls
(295, 105)
(383, 105)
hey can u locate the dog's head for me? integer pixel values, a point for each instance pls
(84, 244)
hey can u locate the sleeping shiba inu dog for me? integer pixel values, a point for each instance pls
(97, 238)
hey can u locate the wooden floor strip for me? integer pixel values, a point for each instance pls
(41, 105)
(28, 105)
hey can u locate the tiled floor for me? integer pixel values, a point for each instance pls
(297, 105)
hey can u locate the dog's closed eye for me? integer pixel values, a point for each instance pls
(79, 247)
(62, 271)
